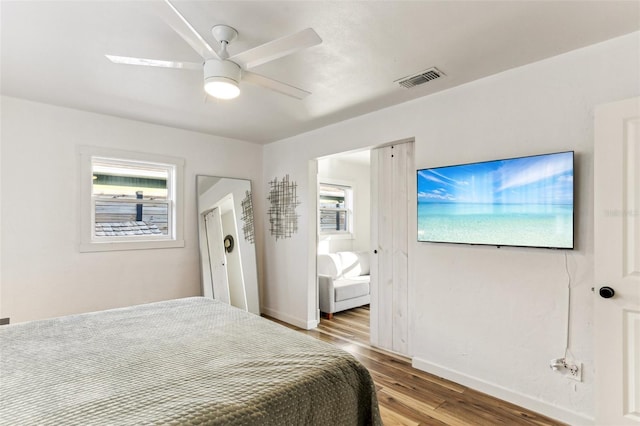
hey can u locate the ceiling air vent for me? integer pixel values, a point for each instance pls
(420, 78)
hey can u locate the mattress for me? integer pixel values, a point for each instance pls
(186, 361)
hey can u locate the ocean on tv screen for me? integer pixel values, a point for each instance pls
(524, 201)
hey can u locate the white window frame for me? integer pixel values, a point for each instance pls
(350, 195)
(89, 242)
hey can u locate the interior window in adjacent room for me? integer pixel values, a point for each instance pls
(335, 204)
(130, 200)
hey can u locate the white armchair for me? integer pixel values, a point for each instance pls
(343, 280)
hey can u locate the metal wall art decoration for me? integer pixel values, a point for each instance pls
(247, 217)
(282, 212)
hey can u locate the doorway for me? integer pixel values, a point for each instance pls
(343, 218)
(351, 173)
(383, 184)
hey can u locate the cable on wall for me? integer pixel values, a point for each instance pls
(567, 365)
(568, 330)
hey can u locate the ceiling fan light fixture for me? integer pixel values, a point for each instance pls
(221, 79)
(221, 88)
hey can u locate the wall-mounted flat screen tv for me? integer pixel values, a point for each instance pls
(525, 202)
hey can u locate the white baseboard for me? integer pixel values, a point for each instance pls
(307, 325)
(546, 409)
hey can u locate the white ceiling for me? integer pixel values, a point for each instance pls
(53, 52)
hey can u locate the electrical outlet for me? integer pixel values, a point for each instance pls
(568, 368)
(573, 370)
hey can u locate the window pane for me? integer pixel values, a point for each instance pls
(129, 181)
(332, 196)
(333, 221)
(122, 219)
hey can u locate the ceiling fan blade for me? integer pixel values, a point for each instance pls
(276, 49)
(184, 29)
(154, 63)
(274, 85)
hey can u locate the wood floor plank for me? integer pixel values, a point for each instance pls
(393, 418)
(425, 397)
(405, 408)
(345, 332)
(353, 323)
(411, 397)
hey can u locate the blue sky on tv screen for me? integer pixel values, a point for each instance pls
(541, 179)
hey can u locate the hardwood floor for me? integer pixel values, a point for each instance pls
(412, 397)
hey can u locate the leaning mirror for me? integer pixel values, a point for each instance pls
(226, 235)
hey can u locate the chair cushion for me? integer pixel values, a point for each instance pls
(354, 263)
(350, 288)
(329, 264)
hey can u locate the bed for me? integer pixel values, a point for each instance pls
(185, 361)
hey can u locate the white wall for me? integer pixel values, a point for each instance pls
(43, 274)
(357, 174)
(490, 317)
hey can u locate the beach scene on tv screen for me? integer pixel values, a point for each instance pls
(524, 201)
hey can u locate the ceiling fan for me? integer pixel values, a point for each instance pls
(222, 73)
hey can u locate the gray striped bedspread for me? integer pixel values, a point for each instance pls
(191, 361)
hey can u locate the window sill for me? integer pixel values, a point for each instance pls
(329, 237)
(129, 245)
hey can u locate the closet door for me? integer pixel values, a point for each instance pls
(617, 262)
(391, 170)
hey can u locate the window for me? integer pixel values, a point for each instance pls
(335, 204)
(130, 201)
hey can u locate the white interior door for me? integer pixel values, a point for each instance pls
(217, 258)
(237, 293)
(392, 171)
(617, 262)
